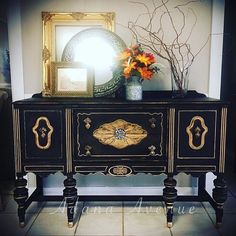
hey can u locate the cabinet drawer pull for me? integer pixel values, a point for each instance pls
(87, 122)
(152, 150)
(88, 150)
(153, 122)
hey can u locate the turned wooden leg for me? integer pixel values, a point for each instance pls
(20, 196)
(70, 195)
(169, 195)
(220, 196)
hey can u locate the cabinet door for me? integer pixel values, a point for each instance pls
(197, 134)
(120, 134)
(42, 134)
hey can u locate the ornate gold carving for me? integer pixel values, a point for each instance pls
(152, 121)
(42, 132)
(120, 134)
(195, 133)
(78, 15)
(46, 16)
(88, 150)
(87, 122)
(109, 19)
(120, 170)
(46, 54)
(152, 150)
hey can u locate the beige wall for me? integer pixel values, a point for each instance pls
(125, 11)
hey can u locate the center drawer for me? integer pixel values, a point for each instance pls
(119, 134)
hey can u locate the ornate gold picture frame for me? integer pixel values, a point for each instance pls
(58, 29)
(71, 80)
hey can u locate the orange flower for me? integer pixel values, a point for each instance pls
(145, 59)
(134, 61)
(124, 55)
(128, 67)
(145, 73)
(151, 58)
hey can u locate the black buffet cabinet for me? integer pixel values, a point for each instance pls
(121, 138)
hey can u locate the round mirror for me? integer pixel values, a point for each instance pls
(98, 48)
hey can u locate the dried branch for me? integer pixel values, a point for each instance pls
(177, 52)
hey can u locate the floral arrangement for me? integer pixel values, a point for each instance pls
(133, 61)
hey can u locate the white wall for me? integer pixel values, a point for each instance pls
(25, 43)
(31, 37)
(15, 51)
(216, 53)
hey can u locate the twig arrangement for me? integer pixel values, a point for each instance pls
(153, 35)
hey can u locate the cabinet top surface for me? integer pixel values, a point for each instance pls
(157, 97)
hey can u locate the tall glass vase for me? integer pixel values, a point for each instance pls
(134, 88)
(179, 84)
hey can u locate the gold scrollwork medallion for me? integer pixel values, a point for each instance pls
(196, 131)
(42, 132)
(120, 134)
(120, 170)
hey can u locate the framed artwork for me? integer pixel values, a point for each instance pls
(71, 80)
(58, 30)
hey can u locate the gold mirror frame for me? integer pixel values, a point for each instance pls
(51, 20)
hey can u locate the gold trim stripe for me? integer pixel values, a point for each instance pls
(68, 141)
(222, 139)
(14, 136)
(18, 139)
(171, 140)
(80, 168)
(195, 168)
(17, 143)
(30, 168)
(162, 169)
